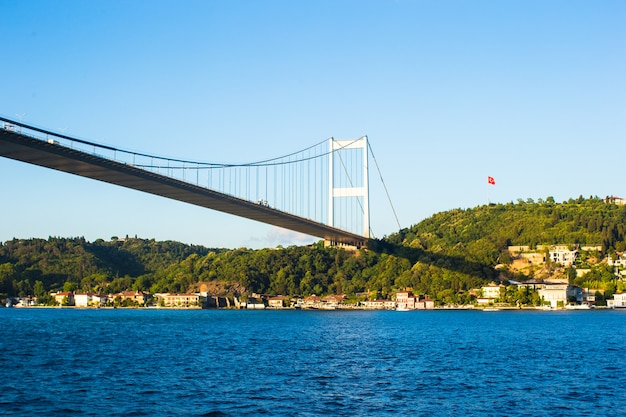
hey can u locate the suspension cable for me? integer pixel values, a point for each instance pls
(235, 179)
(384, 186)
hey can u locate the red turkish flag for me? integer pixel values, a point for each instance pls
(491, 181)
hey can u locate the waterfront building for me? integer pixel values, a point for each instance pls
(255, 302)
(379, 304)
(312, 301)
(82, 299)
(279, 301)
(588, 296)
(333, 301)
(425, 304)
(493, 291)
(138, 297)
(29, 301)
(99, 299)
(89, 299)
(65, 297)
(558, 294)
(619, 300)
(180, 300)
(405, 300)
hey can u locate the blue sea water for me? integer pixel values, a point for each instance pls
(59, 362)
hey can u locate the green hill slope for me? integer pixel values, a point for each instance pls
(443, 256)
(483, 233)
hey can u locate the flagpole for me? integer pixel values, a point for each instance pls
(490, 181)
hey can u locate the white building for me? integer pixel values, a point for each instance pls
(98, 299)
(88, 299)
(82, 300)
(492, 291)
(561, 294)
(563, 257)
(29, 301)
(619, 300)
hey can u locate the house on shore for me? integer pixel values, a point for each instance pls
(64, 298)
(254, 302)
(618, 301)
(179, 300)
(138, 297)
(379, 304)
(89, 299)
(405, 300)
(559, 295)
(28, 301)
(279, 301)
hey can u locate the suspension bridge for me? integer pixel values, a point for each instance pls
(321, 191)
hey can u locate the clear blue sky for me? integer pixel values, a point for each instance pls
(530, 92)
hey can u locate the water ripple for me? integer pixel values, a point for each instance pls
(228, 363)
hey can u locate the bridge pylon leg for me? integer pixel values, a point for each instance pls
(359, 190)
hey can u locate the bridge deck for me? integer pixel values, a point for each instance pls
(24, 148)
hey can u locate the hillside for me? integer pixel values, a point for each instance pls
(483, 233)
(443, 256)
(74, 263)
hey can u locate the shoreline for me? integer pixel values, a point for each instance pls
(458, 308)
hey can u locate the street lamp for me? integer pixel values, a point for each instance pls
(21, 116)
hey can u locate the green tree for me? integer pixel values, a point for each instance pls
(39, 290)
(8, 276)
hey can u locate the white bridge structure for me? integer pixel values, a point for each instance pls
(320, 191)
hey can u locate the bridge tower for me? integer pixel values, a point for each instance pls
(352, 186)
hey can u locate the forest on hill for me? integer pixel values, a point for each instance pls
(482, 234)
(443, 256)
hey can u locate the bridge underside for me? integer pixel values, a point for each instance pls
(51, 155)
